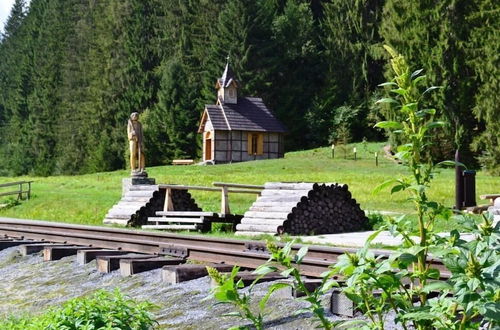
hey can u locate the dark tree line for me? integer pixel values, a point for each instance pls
(71, 72)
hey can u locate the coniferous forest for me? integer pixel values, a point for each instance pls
(72, 71)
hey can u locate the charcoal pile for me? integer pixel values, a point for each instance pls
(142, 201)
(183, 201)
(303, 209)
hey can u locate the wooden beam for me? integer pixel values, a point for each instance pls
(183, 187)
(237, 185)
(130, 267)
(187, 272)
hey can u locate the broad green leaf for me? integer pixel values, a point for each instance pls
(407, 258)
(435, 124)
(397, 188)
(388, 125)
(387, 100)
(492, 311)
(270, 291)
(264, 270)
(430, 89)
(288, 247)
(418, 79)
(423, 112)
(384, 185)
(287, 272)
(445, 163)
(232, 314)
(390, 83)
(418, 316)
(373, 236)
(399, 91)
(433, 273)
(328, 285)
(436, 286)
(416, 73)
(301, 254)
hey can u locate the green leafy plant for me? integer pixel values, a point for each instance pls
(101, 310)
(403, 281)
(228, 291)
(288, 264)
(9, 203)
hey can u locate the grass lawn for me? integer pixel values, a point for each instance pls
(85, 199)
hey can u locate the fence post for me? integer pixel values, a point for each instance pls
(224, 206)
(169, 205)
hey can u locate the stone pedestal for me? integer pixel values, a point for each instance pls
(134, 181)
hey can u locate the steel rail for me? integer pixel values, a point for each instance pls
(244, 253)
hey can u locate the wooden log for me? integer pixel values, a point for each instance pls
(282, 192)
(122, 216)
(179, 220)
(263, 228)
(140, 193)
(254, 208)
(148, 187)
(289, 186)
(262, 221)
(187, 272)
(266, 215)
(135, 199)
(272, 204)
(115, 221)
(185, 214)
(279, 199)
(107, 264)
(171, 227)
(130, 267)
(85, 256)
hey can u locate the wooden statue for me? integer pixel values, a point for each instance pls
(136, 143)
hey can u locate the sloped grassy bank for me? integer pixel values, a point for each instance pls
(85, 199)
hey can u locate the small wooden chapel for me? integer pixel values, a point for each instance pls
(238, 129)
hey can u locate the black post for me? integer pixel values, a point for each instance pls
(376, 158)
(459, 183)
(469, 188)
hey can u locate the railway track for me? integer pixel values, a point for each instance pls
(244, 253)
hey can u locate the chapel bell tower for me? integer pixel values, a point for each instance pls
(227, 87)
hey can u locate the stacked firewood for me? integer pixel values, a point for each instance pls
(303, 209)
(183, 201)
(327, 209)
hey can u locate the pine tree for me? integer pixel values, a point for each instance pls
(296, 71)
(483, 55)
(434, 36)
(353, 52)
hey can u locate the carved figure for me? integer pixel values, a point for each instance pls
(136, 143)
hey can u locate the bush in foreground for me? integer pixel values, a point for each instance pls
(101, 310)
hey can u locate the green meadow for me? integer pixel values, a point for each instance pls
(85, 199)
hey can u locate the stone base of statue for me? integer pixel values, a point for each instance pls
(136, 178)
(141, 199)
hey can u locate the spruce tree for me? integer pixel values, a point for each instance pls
(483, 55)
(435, 36)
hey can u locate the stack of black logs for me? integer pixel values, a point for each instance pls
(327, 209)
(181, 199)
